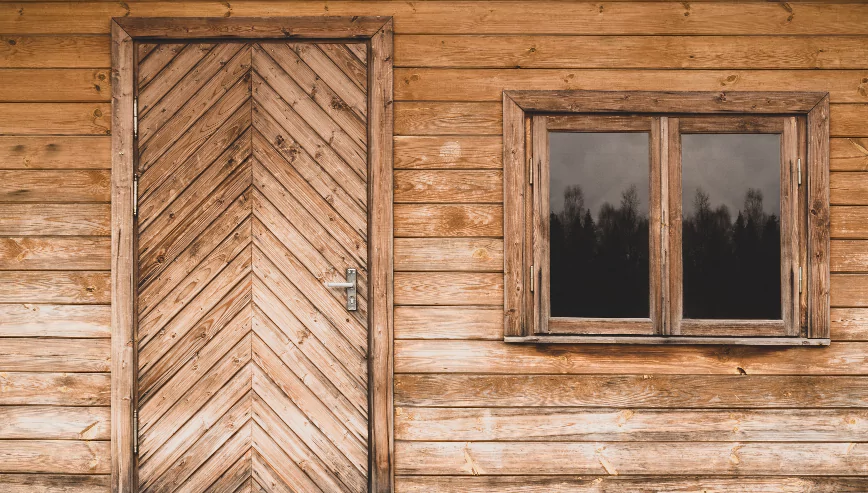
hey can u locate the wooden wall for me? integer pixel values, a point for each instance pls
(473, 414)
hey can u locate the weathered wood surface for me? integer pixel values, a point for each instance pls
(561, 424)
(54, 483)
(54, 152)
(481, 18)
(445, 356)
(57, 49)
(54, 423)
(55, 252)
(46, 320)
(633, 484)
(682, 52)
(68, 389)
(235, 242)
(75, 355)
(54, 186)
(67, 456)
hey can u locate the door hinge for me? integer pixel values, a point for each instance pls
(530, 169)
(532, 277)
(135, 195)
(800, 280)
(135, 432)
(799, 170)
(135, 117)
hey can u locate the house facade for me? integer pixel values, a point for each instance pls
(438, 388)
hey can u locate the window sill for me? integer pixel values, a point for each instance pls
(669, 340)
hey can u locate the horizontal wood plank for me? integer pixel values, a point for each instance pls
(54, 423)
(54, 389)
(849, 324)
(436, 186)
(448, 322)
(848, 188)
(614, 425)
(18, 85)
(56, 355)
(420, 220)
(493, 458)
(632, 391)
(55, 118)
(484, 118)
(53, 51)
(55, 252)
(471, 84)
(849, 154)
(449, 254)
(848, 290)
(682, 52)
(54, 219)
(54, 152)
(79, 287)
(844, 358)
(448, 288)
(849, 256)
(453, 152)
(40, 320)
(55, 456)
(479, 17)
(48, 186)
(429, 118)
(55, 483)
(608, 483)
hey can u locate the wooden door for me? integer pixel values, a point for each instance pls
(252, 194)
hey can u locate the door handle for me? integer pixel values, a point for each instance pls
(350, 286)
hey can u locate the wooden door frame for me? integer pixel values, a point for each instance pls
(377, 33)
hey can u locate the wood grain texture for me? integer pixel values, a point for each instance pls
(607, 483)
(55, 118)
(493, 357)
(849, 154)
(53, 51)
(61, 355)
(43, 186)
(232, 273)
(448, 186)
(54, 219)
(54, 483)
(563, 424)
(54, 423)
(52, 152)
(448, 322)
(54, 85)
(36, 253)
(478, 84)
(449, 254)
(448, 288)
(452, 152)
(45, 388)
(483, 18)
(67, 456)
(682, 52)
(469, 220)
(46, 320)
(81, 287)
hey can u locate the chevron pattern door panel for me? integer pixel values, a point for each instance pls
(252, 194)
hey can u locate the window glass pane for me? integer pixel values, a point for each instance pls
(731, 240)
(599, 224)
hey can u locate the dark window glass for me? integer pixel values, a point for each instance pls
(731, 237)
(599, 224)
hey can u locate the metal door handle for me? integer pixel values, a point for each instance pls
(350, 286)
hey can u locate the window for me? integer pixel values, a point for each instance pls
(693, 218)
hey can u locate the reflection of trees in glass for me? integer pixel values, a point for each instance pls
(599, 269)
(731, 269)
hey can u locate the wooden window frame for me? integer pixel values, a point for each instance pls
(802, 119)
(377, 32)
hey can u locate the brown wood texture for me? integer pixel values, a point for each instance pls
(236, 328)
(68, 43)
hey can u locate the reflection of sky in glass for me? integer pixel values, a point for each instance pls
(604, 165)
(724, 166)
